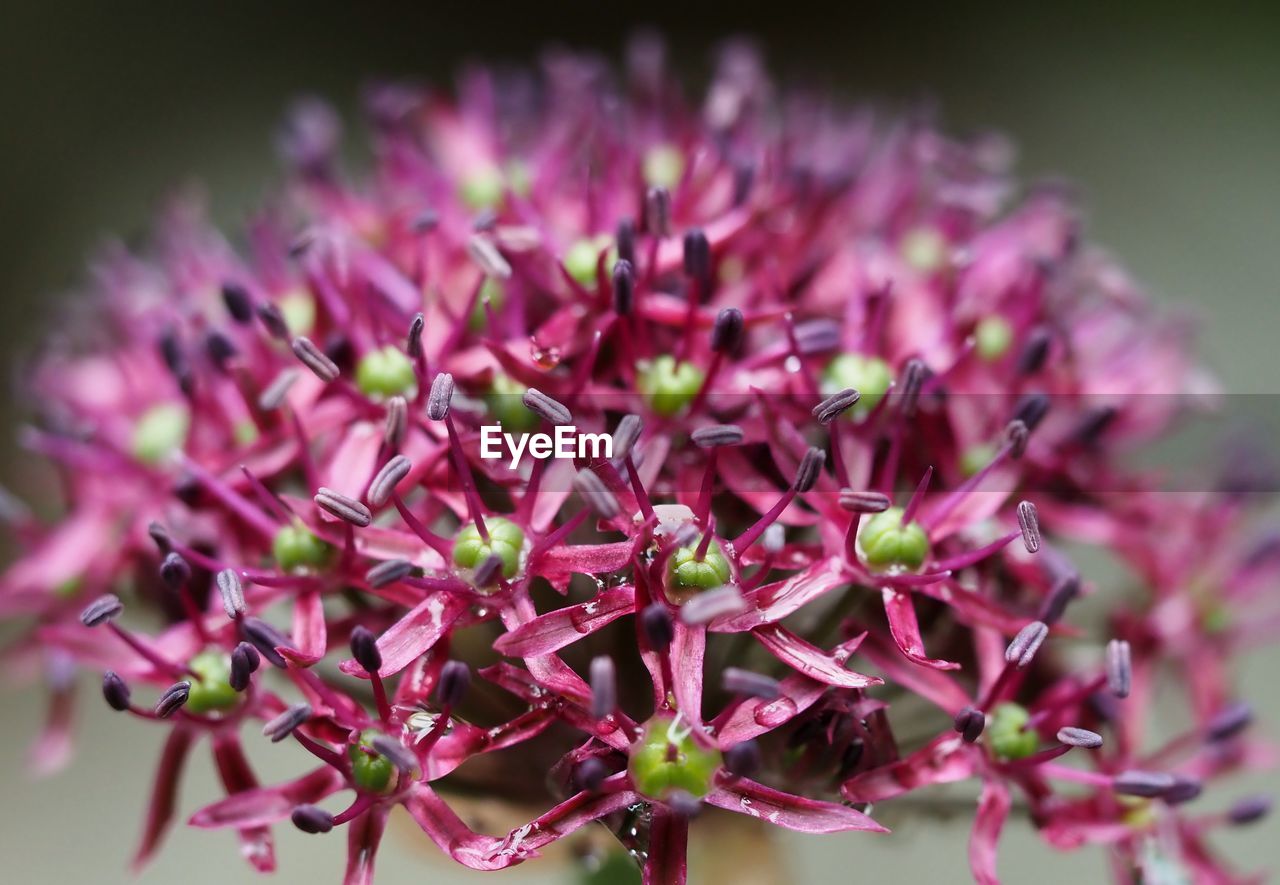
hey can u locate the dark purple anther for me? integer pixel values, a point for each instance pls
(746, 682)
(488, 571)
(116, 691)
(864, 502)
(1022, 650)
(385, 482)
(1079, 737)
(604, 687)
(244, 661)
(311, 819)
(273, 321)
(385, 573)
(220, 349)
(413, 344)
(716, 435)
(913, 375)
(626, 241)
(1031, 410)
(1034, 352)
(550, 410)
(314, 359)
(1249, 810)
(343, 507)
(364, 648)
(684, 803)
(624, 287)
(1229, 722)
(590, 773)
(160, 535)
(726, 333)
(596, 494)
(817, 336)
(106, 607)
(173, 699)
(397, 753)
(1119, 668)
(266, 639)
(657, 626)
(440, 397)
(657, 212)
(238, 303)
(831, 407)
(1016, 435)
(969, 723)
(287, 722)
(174, 571)
(743, 759)
(809, 470)
(1029, 523)
(1185, 788)
(1060, 596)
(455, 677)
(1146, 784)
(625, 435)
(697, 255)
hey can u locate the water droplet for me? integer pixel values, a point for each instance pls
(545, 357)
(792, 364)
(775, 712)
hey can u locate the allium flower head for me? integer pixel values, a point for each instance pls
(859, 390)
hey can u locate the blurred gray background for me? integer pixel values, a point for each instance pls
(1167, 116)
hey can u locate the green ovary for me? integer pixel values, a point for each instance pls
(666, 759)
(689, 573)
(371, 771)
(869, 375)
(669, 386)
(160, 431)
(886, 544)
(297, 551)
(1008, 735)
(211, 688)
(505, 539)
(386, 372)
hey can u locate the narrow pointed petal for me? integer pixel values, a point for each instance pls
(164, 794)
(773, 602)
(993, 810)
(363, 835)
(905, 629)
(809, 659)
(793, 812)
(554, 630)
(268, 805)
(411, 636)
(256, 844)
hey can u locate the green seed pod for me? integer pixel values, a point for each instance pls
(505, 539)
(211, 689)
(370, 770)
(507, 406)
(885, 544)
(1008, 736)
(666, 759)
(663, 165)
(483, 188)
(669, 386)
(580, 261)
(869, 375)
(688, 573)
(993, 336)
(925, 249)
(386, 372)
(161, 430)
(297, 551)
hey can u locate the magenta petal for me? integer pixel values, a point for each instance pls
(993, 809)
(413, 635)
(464, 845)
(906, 630)
(944, 760)
(256, 845)
(933, 685)
(809, 659)
(466, 741)
(164, 794)
(310, 634)
(563, 560)
(269, 805)
(755, 717)
(554, 630)
(773, 602)
(964, 560)
(668, 849)
(363, 835)
(569, 816)
(793, 812)
(52, 747)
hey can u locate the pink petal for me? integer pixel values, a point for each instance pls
(559, 563)
(773, 602)
(688, 650)
(574, 813)
(906, 630)
(354, 461)
(944, 760)
(464, 845)
(310, 634)
(747, 483)
(668, 849)
(808, 659)
(466, 741)
(993, 809)
(933, 685)
(755, 717)
(256, 845)
(413, 635)
(269, 805)
(164, 794)
(793, 812)
(363, 835)
(554, 630)
(51, 749)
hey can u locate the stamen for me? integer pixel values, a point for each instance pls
(396, 426)
(1060, 596)
(738, 681)
(232, 592)
(831, 407)
(604, 687)
(590, 773)
(389, 572)
(1185, 788)
(273, 396)
(970, 723)
(314, 359)
(364, 648)
(1029, 523)
(245, 661)
(809, 470)
(711, 604)
(726, 333)
(173, 699)
(116, 691)
(287, 722)
(440, 397)
(1022, 650)
(625, 240)
(546, 408)
(174, 571)
(624, 287)
(273, 321)
(1079, 737)
(864, 502)
(913, 375)
(697, 256)
(743, 759)
(655, 621)
(344, 508)
(625, 436)
(596, 494)
(657, 212)
(160, 535)
(385, 482)
(684, 803)
(1031, 410)
(1119, 668)
(1229, 722)
(1016, 435)
(312, 819)
(396, 753)
(265, 639)
(717, 435)
(220, 348)
(487, 257)
(1146, 784)
(488, 571)
(238, 303)
(105, 608)
(413, 344)
(455, 677)
(816, 336)
(1249, 810)
(1033, 354)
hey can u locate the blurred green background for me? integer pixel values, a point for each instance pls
(1167, 117)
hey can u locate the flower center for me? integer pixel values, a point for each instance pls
(993, 336)
(886, 544)
(687, 572)
(506, 539)
(162, 429)
(386, 372)
(666, 759)
(371, 771)
(1008, 734)
(297, 551)
(669, 386)
(869, 375)
(211, 689)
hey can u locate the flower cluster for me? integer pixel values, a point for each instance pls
(863, 397)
